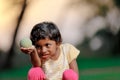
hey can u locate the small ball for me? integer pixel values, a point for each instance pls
(25, 42)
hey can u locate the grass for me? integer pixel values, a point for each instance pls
(99, 68)
(90, 69)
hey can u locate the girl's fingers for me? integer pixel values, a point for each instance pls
(26, 50)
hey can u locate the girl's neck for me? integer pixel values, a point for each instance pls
(56, 56)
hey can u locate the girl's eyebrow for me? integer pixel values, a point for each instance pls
(48, 44)
(37, 46)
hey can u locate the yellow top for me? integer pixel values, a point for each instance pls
(54, 69)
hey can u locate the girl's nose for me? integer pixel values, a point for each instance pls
(44, 49)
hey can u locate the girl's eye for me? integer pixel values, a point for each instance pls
(38, 47)
(48, 45)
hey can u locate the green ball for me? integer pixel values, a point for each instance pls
(25, 42)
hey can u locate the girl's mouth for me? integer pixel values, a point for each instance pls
(45, 56)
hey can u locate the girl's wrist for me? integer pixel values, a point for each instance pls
(34, 51)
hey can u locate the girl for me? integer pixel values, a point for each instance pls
(51, 59)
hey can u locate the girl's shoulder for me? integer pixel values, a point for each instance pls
(68, 46)
(70, 51)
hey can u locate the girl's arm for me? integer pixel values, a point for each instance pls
(35, 59)
(73, 65)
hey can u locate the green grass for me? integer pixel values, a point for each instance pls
(99, 68)
(90, 69)
(108, 73)
(14, 74)
(88, 63)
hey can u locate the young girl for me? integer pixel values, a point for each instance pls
(51, 59)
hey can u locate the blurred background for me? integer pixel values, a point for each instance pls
(93, 26)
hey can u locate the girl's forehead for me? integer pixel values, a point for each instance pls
(46, 40)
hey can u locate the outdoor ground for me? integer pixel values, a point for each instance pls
(90, 69)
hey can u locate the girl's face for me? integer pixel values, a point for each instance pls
(47, 49)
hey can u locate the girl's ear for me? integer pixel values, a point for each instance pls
(58, 43)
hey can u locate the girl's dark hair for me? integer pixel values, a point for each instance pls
(45, 30)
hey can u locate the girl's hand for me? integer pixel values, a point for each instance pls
(29, 50)
(35, 59)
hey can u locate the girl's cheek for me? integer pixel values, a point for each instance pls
(38, 51)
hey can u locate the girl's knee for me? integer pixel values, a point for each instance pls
(35, 73)
(70, 75)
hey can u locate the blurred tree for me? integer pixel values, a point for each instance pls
(117, 3)
(11, 52)
(111, 40)
(116, 48)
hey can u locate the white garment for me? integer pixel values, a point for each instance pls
(54, 69)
